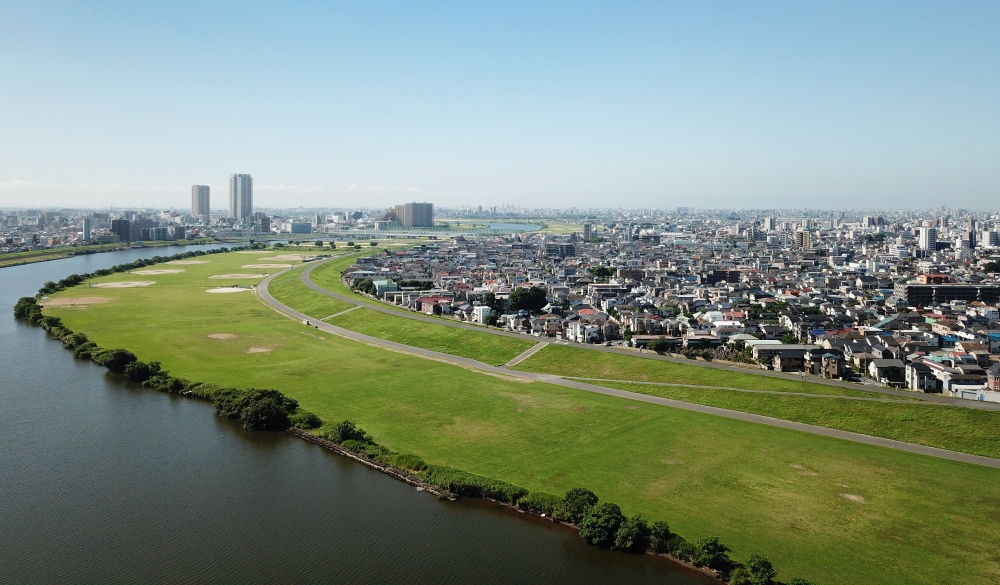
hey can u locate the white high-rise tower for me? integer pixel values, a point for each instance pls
(241, 197)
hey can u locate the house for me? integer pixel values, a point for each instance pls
(888, 371)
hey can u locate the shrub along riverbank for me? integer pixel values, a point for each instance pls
(601, 524)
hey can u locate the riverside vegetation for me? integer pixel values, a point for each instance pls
(600, 524)
(756, 487)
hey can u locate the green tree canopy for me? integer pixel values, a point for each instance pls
(530, 299)
(578, 502)
(601, 524)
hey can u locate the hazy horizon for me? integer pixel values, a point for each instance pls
(640, 105)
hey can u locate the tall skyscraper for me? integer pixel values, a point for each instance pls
(241, 197)
(415, 214)
(928, 239)
(200, 205)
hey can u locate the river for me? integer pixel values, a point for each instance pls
(105, 483)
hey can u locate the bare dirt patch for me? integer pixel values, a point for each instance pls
(259, 350)
(77, 302)
(226, 289)
(287, 257)
(804, 470)
(223, 335)
(631, 407)
(266, 266)
(125, 284)
(254, 252)
(853, 498)
(580, 408)
(159, 271)
(184, 262)
(235, 276)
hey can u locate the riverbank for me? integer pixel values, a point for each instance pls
(777, 492)
(21, 258)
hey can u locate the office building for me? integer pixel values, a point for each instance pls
(200, 205)
(586, 231)
(415, 215)
(241, 197)
(88, 227)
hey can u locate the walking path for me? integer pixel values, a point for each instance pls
(748, 390)
(328, 317)
(526, 354)
(265, 296)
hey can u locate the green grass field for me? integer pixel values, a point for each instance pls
(955, 428)
(564, 360)
(481, 346)
(832, 511)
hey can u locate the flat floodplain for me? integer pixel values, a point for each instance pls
(829, 510)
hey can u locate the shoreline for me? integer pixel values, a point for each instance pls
(442, 493)
(73, 251)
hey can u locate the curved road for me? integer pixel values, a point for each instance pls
(265, 296)
(304, 277)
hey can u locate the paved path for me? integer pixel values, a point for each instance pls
(749, 391)
(265, 296)
(328, 317)
(374, 306)
(527, 354)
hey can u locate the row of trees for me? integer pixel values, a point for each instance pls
(601, 524)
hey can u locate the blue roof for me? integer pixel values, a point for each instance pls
(949, 338)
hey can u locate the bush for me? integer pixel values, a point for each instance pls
(407, 461)
(472, 485)
(601, 523)
(139, 371)
(799, 581)
(577, 502)
(712, 554)
(347, 431)
(761, 570)
(114, 359)
(256, 409)
(540, 503)
(740, 576)
(302, 419)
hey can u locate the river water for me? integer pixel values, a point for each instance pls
(104, 483)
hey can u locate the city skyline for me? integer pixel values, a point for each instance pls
(773, 105)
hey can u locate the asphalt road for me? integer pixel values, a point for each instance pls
(265, 296)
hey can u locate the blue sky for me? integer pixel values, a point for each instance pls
(659, 104)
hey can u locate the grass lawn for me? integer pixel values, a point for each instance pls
(491, 349)
(947, 427)
(563, 360)
(288, 289)
(832, 511)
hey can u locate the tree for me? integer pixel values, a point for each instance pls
(660, 537)
(600, 526)
(578, 502)
(788, 338)
(319, 243)
(530, 299)
(660, 346)
(601, 272)
(633, 535)
(712, 554)
(761, 570)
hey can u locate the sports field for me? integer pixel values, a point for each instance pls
(825, 509)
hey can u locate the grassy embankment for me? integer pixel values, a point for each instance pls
(833, 511)
(947, 427)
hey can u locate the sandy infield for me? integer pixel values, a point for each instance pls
(125, 284)
(183, 262)
(159, 271)
(77, 302)
(223, 335)
(259, 350)
(235, 276)
(227, 289)
(254, 252)
(266, 266)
